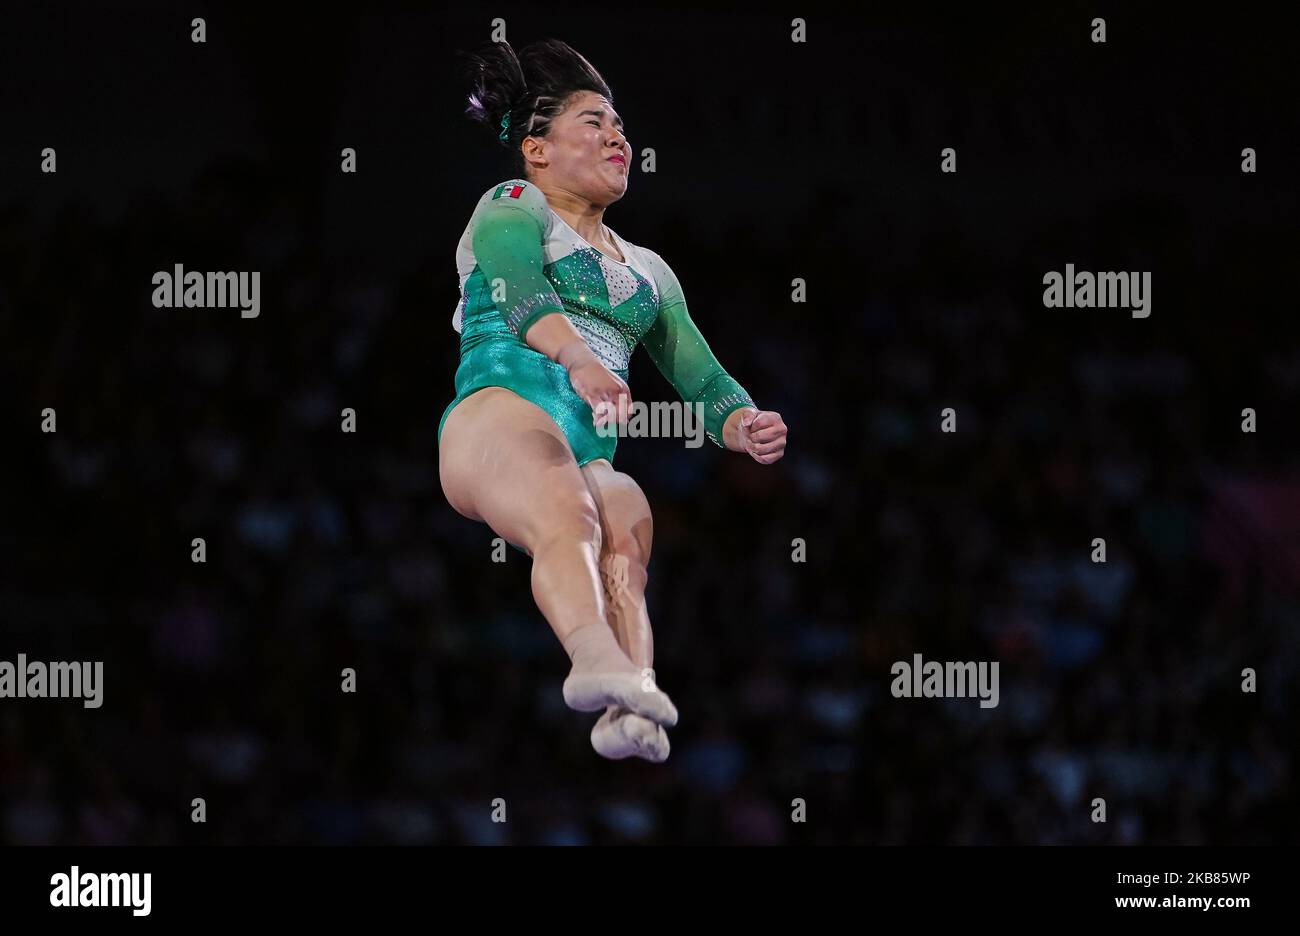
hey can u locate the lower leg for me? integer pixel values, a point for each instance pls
(624, 579)
(603, 675)
(565, 578)
(619, 733)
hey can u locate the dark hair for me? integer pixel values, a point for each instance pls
(531, 87)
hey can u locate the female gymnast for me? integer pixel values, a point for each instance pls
(552, 304)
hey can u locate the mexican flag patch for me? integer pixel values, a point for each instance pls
(509, 190)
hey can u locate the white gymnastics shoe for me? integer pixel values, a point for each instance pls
(619, 734)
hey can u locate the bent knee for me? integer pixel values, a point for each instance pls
(629, 526)
(634, 549)
(571, 516)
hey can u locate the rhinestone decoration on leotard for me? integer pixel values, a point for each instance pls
(526, 307)
(620, 281)
(583, 283)
(606, 341)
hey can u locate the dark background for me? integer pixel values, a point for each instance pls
(776, 160)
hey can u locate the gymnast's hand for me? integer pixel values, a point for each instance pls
(601, 389)
(761, 433)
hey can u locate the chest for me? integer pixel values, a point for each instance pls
(592, 284)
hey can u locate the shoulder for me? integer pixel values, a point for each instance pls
(514, 195)
(664, 278)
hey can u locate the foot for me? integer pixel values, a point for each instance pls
(591, 692)
(603, 675)
(620, 734)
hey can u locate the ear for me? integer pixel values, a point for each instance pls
(534, 150)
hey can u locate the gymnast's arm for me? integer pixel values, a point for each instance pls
(682, 355)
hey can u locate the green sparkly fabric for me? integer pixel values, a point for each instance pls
(519, 261)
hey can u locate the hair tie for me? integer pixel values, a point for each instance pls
(505, 127)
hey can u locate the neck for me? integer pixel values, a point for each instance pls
(579, 213)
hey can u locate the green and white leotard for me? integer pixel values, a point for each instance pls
(518, 260)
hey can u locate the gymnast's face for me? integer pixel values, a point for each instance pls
(584, 151)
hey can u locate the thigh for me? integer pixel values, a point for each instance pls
(625, 518)
(504, 461)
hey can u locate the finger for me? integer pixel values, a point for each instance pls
(624, 406)
(601, 410)
(765, 448)
(770, 434)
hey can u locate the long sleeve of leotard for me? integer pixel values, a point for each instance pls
(682, 355)
(508, 226)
